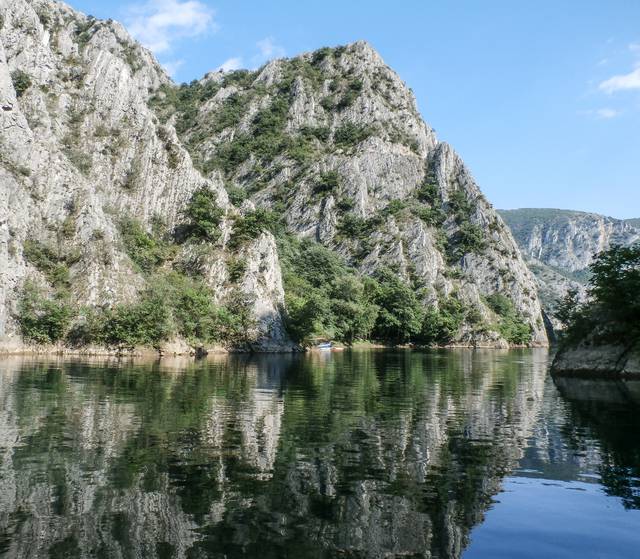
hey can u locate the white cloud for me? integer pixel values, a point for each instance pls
(231, 64)
(624, 82)
(268, 50)
(621, 82)
(158, 23)
(172, 66)
(607, 113)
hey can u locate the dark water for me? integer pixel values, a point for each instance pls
(354, 454)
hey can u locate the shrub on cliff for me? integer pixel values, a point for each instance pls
(146, 250)
(510, 326)
(441, 326)
(401, 313)
(42, 320)
(202, 217)
(21, 82)
(324, 296)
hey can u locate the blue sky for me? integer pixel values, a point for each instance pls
(542, 100)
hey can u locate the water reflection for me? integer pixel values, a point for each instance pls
(609, 411)
(358, 454)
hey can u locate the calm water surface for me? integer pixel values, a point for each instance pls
(357, 454)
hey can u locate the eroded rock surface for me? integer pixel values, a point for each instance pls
(93, 130)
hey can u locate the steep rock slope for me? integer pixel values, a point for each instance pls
(332, 141)
(567, 240)
(95, 136)
(559, 246)
(81, 149)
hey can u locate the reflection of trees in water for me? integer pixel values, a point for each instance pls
(609, 410)
(361, 453)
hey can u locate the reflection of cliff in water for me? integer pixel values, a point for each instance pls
(610, 411)
(362, 454)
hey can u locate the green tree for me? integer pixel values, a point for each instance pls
(568, 308)
(42, 320)
(401, 314)
(144, 323)
(612, 311)
(354, 315)
(202, 217)
(251, 225)
(510, 325)
(615, 284)
(147, 250)
(441, 326)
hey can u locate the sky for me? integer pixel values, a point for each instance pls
(541, 99)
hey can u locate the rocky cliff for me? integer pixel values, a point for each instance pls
(81, 149)
(102, 154)
(567, 240)
(559, 246)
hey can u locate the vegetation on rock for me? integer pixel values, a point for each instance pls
(202, 217)
(285, 141)
(42, 319)
(511, 326)
(612, 312)
(21, 82)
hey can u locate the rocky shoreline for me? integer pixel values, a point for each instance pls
(180, 348)
(597, 361)
(172, 349)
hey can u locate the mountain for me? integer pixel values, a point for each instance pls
(567, 240)
(559, 245)
(136, 211)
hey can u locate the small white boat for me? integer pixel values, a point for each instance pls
(325, 346)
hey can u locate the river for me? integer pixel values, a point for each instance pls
(372, 453)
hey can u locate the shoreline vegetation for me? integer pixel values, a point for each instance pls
(602, 335)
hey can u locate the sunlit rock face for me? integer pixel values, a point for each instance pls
(349, 162)
(81, 149)
(559, 246)
(361, 454)
(94, 130)
(565, 239)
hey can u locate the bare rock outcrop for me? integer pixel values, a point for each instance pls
(94, 132)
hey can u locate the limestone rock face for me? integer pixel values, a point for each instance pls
(81, 149)
(559, 246)
(597, 359)
(567, 240)
(93, 130)
(333, 141)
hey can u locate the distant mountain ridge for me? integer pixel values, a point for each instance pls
(567, 239)
(560, 244)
